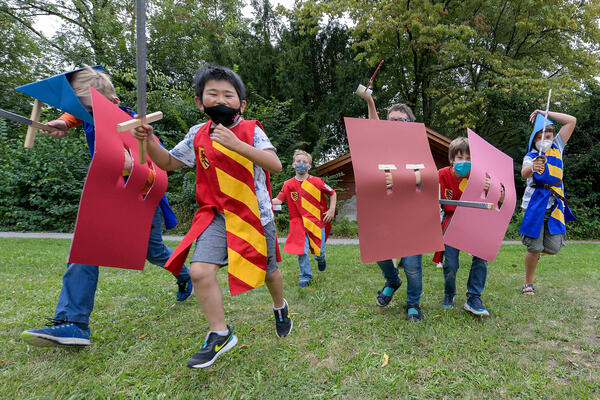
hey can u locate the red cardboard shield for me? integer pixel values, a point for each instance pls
(114, 219)
(476, 231)
(406, 220)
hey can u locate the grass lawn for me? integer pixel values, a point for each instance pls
(547, 346)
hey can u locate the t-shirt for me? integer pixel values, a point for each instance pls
(184, 152)
(527, 160)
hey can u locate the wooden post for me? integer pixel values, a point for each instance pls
(32, 130)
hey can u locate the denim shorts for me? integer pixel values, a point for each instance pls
(211, 246)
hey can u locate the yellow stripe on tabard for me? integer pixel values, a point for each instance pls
(312, 189)
(244, 270)
(243, 161)
(308, 206)
(558, 214)
(555, 171)
(238, 190)
(312, 227)
(554, 153)
(316, 248)
(241, 228)
(558, 190)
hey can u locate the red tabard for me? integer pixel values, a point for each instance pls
(295, 194)
(212, 164)
(451, 188)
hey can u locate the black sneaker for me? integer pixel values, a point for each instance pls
(214, 346)
(383, 299)
(322, 265)
(184, 289)
(414, 313)
(283, 324)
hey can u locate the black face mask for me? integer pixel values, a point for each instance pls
(221, 114)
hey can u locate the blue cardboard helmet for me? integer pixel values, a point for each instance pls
(57, 92)
(539, 125)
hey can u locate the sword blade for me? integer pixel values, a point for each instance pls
(23, 120)
(140, 26)
(470, 204)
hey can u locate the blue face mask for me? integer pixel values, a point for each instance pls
(301, 168)
(462, 168)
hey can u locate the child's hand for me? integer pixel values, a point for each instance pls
(225, 137)
(487, 184)
(61, 127)
(365, 95)
(534, 114)
(142, 132)
(128, 165)
(389, 182)
(538, 165)
(329, 214)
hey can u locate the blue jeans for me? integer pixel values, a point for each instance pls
(304, 259)
(414, 277)
(76, 300)
(477, 275)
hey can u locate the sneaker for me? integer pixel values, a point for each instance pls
(475, 306)
(185, 289)
(214, 346)
(58, 333)
(322, 265)
(303, 283)
(414, 313)
(448, 301)
(384, 296)
(283, 324)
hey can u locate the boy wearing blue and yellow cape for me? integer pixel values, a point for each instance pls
(546, 210)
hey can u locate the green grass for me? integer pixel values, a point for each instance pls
(546, 346)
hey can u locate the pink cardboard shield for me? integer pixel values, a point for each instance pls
(476, 231)
(406, 220)
(114, 219)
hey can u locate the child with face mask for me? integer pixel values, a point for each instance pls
(453, 180)
(546, 211)
(309, 215)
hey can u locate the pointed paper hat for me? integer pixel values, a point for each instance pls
(539, 125)
(57, 92)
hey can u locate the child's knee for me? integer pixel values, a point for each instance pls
(200, 272)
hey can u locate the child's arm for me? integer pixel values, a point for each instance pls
(63, 124)
(528, 169)
(567, 121)
(330, 213)
(277, 202)
(160, 156)
(266, 159)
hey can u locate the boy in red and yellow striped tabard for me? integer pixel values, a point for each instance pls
(234, 224)
(309, 215)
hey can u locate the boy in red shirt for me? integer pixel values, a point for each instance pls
(453, 180)
(309, 215)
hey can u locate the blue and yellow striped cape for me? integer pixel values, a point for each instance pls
(536, 210)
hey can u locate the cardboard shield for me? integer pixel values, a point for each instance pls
(114, 219)
(476, 231)
(406, 220)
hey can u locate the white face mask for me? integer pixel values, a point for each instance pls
(543, 145)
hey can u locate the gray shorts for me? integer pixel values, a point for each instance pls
(546, 241)
(211, 246)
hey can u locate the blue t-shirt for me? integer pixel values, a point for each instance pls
(558, 141)
(184, 152)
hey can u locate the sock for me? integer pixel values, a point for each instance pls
(282, 307)
(388, 291)
(220, 333)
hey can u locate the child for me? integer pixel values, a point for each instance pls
(308, 215)
(233, 195)
(546, 211)
(453, 180)
(412, 264)
(70, 325)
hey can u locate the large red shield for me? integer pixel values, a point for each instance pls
(114, 219)
(406, 220)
